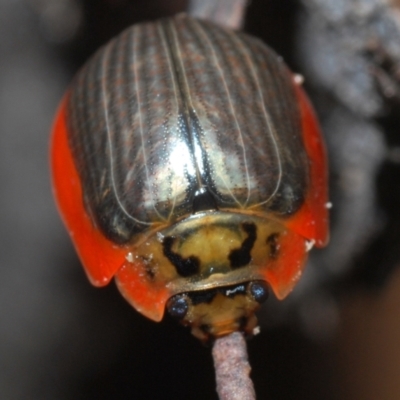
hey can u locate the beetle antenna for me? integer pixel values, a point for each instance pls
(232, 368)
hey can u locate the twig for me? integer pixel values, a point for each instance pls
(228, 13)
(232, 368)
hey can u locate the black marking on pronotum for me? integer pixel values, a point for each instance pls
(272, 242)
(185, 266)
(242, 256)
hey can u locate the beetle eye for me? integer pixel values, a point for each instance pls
(259, 291)
(178, 306)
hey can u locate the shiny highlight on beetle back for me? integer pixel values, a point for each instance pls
(180, 107)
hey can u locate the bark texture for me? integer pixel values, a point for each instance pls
(232, 368)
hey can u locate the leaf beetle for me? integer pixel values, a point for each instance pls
(188, 164)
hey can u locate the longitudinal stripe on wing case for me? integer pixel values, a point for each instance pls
(177, 109)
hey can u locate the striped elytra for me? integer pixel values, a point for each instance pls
(179, 151)
(177, 108)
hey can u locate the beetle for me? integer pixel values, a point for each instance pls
(188, 164)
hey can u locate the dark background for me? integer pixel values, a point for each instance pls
(60, 338)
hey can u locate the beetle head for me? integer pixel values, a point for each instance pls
(219, 311)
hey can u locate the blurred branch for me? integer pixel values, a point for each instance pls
(232, 368)
(349, 53)
(227, 13)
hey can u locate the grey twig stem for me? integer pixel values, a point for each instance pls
(227, 13)
(232, 368)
